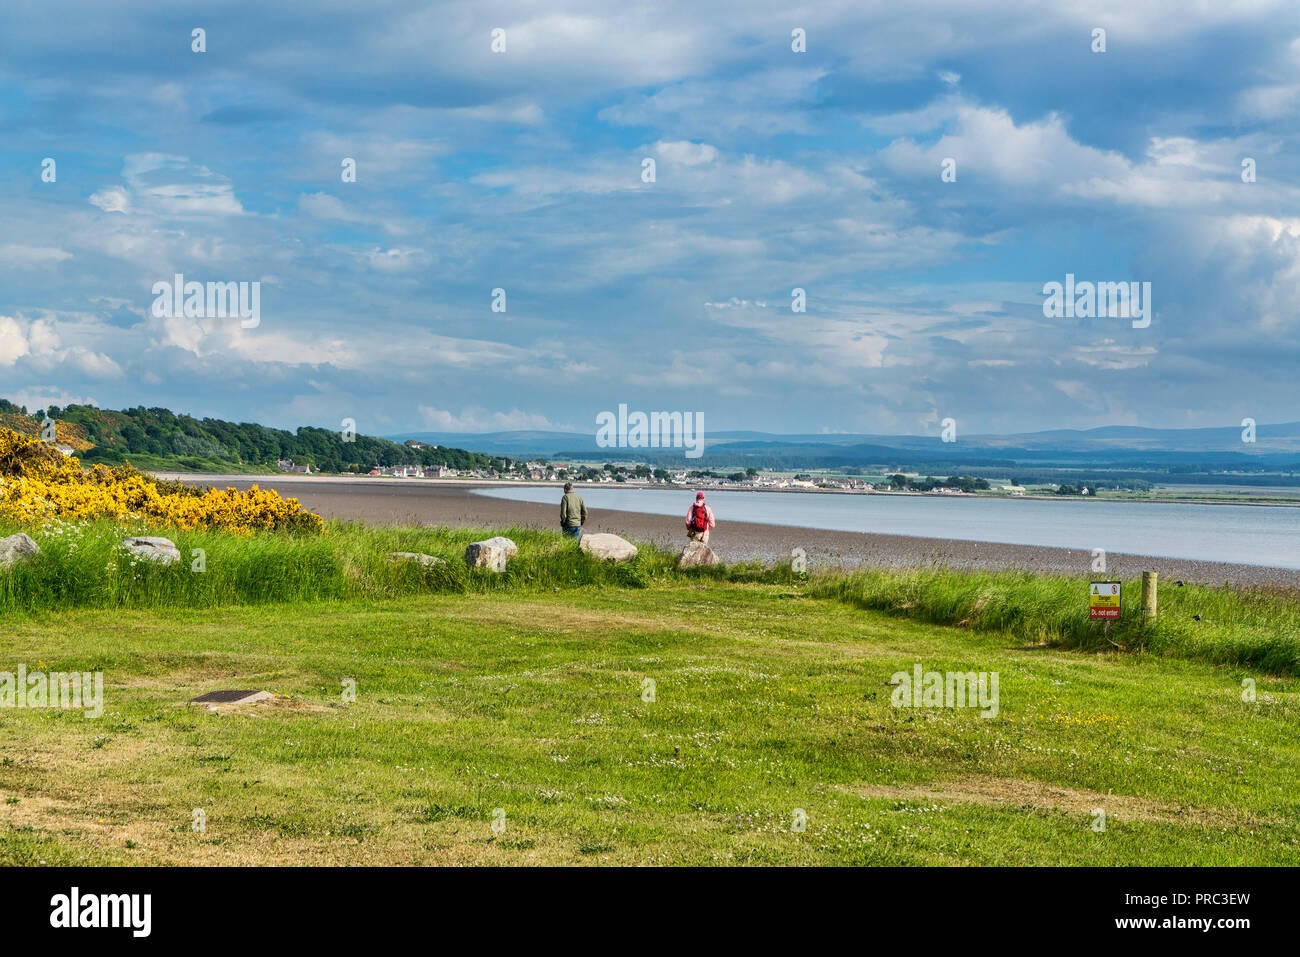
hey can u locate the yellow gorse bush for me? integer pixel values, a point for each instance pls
(38, 483)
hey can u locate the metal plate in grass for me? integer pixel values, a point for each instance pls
(232, 697)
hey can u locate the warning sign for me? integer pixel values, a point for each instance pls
(1103, 601)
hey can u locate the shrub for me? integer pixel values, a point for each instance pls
(39, 484)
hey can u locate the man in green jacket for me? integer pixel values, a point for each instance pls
(573, 513)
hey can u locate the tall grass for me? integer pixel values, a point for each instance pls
(1254, 627)
(84, 566)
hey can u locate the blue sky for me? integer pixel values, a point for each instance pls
(775, 169)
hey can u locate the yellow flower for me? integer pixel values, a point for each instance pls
(41, 484)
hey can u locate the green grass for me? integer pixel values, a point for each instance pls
(1259, 628)
(81, 566)
(523, 692)
(172, 463)
(767, 701)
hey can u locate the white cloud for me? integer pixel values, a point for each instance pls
(686, 153)
(325, 206)
(382, 157)
(395, 260)
(770, 101)
(13, 341)
(988, 144)
(94, 365)
(496, 171)
(481, 420)
(524, 114)
(112, 199)
(13, 254)
(168, 185)
(42, 397)
(38, 343)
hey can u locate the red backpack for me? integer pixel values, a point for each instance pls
(699, 517)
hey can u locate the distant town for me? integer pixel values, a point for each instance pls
(542, 470)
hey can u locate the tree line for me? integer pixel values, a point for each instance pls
(117, 435)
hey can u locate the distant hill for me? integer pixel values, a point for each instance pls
(70, 434)
(1277, 447)
(161, 439)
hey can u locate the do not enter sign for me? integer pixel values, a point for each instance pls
(1103, 601)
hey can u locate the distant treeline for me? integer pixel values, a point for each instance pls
(1143, 480)
(160, 432)
(964, 483)
(1080, 469)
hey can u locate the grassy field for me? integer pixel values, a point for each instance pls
(520, 700)
(81, 566)
(767, 701)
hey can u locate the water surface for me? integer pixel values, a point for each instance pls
(1246, 534)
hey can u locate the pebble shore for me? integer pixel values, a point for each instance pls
(441, 502)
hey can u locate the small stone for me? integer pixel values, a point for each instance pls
(425, 560)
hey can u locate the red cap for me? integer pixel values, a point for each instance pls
(699, 495)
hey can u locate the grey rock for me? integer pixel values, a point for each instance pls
(696, 555)
(162, 550)
(501, 542)
(608, 546)
(490, 554)
(423, 559)
(17, 548)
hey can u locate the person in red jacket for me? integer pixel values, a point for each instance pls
(699, 520)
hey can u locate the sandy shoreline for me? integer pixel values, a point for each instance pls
(411, 501)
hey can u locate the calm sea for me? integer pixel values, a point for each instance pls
(1247, 534)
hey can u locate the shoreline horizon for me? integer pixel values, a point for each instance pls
(452, 503)
(198, 477)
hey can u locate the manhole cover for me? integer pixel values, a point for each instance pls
(231, 697)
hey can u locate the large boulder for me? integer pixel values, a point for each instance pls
(425, 560)
(502, 542)
(490, 553)
(696, 555)
(161, 550)
(611, 547)
(17, 548)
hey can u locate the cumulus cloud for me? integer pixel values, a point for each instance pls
(173, 186)
(13, 341)
(685, 153)
(112, 199)
(776, 170)
(37, 345)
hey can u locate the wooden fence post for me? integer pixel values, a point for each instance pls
(1150, 581)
